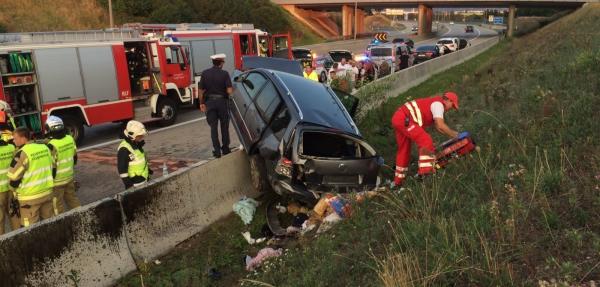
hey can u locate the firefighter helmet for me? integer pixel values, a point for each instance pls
(135, 129)
(6, 135)
(54, 124)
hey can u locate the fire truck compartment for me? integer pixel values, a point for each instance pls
(140, 76)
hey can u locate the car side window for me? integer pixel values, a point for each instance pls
(253, 83)
(280, 122)
(268, 101)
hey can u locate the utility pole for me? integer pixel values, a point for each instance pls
(355, 18)
(110, 14)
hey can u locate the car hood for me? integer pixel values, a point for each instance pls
(283, 65)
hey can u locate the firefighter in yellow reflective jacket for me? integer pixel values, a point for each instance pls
(64, 153)
(31, 175)
(131, 159)
(310, 74)
(7, 152)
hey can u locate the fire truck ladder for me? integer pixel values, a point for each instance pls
(69, 36)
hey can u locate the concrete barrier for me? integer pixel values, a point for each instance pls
(99, 243)
(87, 244)
(170, 211)
(376, 93)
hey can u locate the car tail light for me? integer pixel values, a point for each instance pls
(284, 167)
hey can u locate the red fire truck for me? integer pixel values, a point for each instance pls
(233, 40)
(92, 77)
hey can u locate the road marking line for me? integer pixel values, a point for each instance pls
(150, 132)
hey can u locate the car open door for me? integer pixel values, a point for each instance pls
(349, 101)
(281, 46)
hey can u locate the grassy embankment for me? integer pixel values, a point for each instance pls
(523, 209)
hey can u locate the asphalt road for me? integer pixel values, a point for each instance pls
(188, 141)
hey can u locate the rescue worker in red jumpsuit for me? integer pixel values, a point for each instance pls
(409, 123)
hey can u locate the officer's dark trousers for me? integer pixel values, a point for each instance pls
(217, 112)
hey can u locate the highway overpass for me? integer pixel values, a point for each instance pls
(310, 12)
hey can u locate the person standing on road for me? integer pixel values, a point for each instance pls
(215, 88)
(132, 163)
(64, 153)
(410, 121)
(7, 152)
(31, 174)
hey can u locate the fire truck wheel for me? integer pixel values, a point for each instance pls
(74, 126)
(168, 111)
(258, 174)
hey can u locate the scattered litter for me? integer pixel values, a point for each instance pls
(157, 262)
(245, 208)
(295, 209)
(251, 240)
(293, 230)
(263, 254)
(328, 222)
(280, 208)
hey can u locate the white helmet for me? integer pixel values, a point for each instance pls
(4, 106)
(54, 123)
(135, 129)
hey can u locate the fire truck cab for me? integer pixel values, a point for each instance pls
(93, 77)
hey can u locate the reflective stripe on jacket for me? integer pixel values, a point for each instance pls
(138, 165)
(65, 154)
(37, 181)
(6, 155)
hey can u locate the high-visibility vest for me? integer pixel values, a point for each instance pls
(419, 110)
(65, 153)
(6, 155)
(37, 181)
(312, 76)
(139, 165)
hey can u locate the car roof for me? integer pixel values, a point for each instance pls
(301, 49)
(448, 38)
(318, 104)
(340, 51)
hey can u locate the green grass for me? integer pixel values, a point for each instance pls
(523, 209)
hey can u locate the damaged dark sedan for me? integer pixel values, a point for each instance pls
(299, 134)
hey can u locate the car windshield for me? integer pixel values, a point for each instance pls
(398, 40)
(338, 55)
(425, 48)
(302, 54)
(445, 42)
(381, 52)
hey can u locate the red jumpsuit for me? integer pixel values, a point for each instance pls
(409, 123)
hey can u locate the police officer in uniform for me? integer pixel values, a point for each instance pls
(215, 88)
(64, 152)
(132, 163)
(31, 175)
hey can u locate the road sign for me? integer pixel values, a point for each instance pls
(383, 37)
(498, 20)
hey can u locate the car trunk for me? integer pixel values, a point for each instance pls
(328, 159)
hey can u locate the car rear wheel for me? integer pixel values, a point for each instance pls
(258, 174)
(74, 127)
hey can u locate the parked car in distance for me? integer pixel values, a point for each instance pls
(406, 41)
(451, 23)
(305, 56)
(322, 66)
(300, 136)
(463, 43)
(414, 28)
(451, 43)
(338, 55)
(469, 29)
(427, 52)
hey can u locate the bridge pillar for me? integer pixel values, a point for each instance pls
(347, 15)
(359, 21)
(425, 19)
(510, 29)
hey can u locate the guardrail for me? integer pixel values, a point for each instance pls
(99, 243)
(376, 93)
